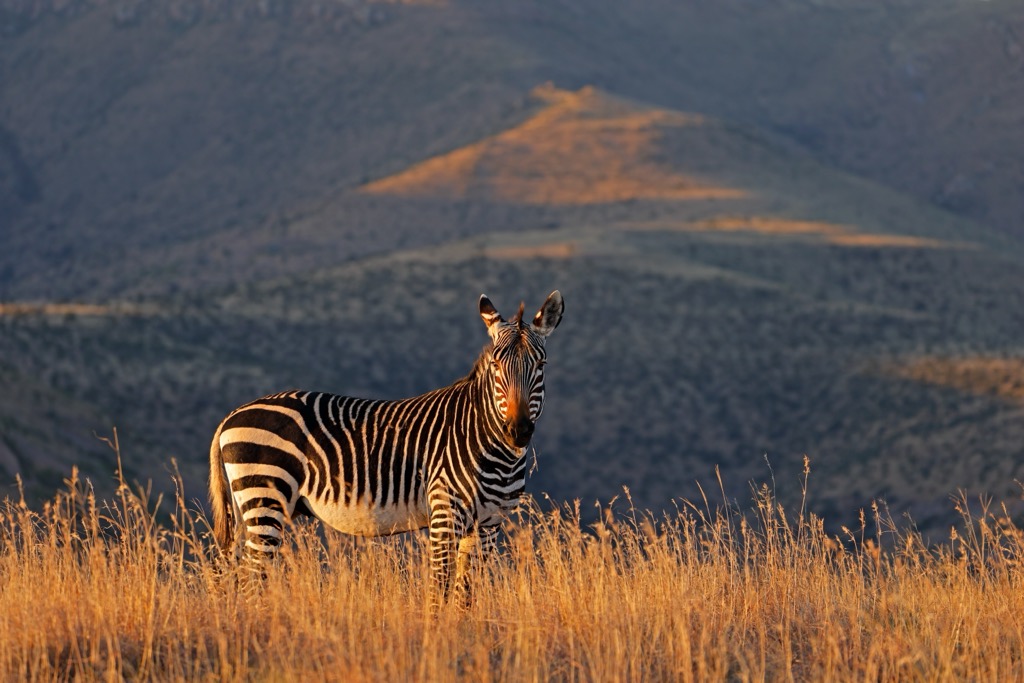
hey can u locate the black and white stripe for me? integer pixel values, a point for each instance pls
(451, 459)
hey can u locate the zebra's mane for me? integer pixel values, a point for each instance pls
(482, 362)
(519, 316)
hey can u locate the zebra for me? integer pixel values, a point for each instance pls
(452, 460)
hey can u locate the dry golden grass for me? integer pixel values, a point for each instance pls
(583, 147)
(92, 591)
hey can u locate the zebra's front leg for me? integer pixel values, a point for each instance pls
(447, 527)
(475, 547)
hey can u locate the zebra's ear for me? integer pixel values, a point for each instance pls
(488, 312)
(549, 315)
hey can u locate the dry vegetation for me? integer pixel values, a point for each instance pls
(95, 591)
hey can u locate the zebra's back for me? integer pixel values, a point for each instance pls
(340, 458)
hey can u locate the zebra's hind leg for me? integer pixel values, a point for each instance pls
(264, 520)
(476, 547)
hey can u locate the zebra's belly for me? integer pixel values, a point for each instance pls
(494, 513)
(362, 520)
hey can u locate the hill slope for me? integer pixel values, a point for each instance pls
(147, 148)
(799, 311)
(582, 148)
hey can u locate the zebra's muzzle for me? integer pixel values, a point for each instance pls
(520, 432)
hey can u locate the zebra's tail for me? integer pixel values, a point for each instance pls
(220, 496)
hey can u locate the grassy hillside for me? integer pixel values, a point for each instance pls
(238, 198)
(749, 304)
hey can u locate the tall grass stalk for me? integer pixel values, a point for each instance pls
(126, 589)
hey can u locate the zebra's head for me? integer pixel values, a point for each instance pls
(517, 365)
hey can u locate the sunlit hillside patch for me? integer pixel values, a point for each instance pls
(830, 233)
(583, 147)
(768, 225)
(878, 240)
(978, 375)
(554, 250)
(71, 309)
